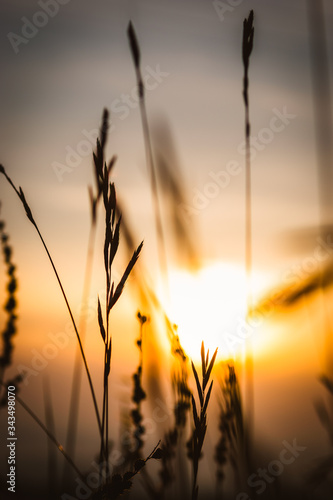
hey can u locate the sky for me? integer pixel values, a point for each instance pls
(56, 80)
(57, 84)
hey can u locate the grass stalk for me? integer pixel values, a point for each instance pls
(76, 383)
(247, 46)
(248, 32)
(230, 447)
(106, 190)
(10, 305)
(200, 419)
(135, 50)
(173, 439)
(138, 392)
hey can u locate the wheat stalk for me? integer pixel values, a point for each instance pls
(106, 190)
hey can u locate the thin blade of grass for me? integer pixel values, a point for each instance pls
(198, 384)
(123, 280)
(211, 364)
(2, 170)
(50, 436)
(100, 321)
(204, 409)
(203, 363)
(195, 413)
(114, 242)
(108, 360)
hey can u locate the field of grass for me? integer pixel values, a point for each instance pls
(128, 412)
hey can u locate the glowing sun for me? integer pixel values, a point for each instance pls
(210, 305)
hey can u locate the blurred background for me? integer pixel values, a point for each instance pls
(56, 80)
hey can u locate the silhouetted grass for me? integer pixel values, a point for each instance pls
(107, 191)
(173, 442)
(138, 392)
(247, 47)
(95, 198)
(29, 215)
(10, 305)
(231, 446)
(200, 418)
(230, 441)
(135, 50)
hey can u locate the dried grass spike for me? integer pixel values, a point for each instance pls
(134, 45)
(26, 207)
(248, 34)
(195, 413)
(104, 127)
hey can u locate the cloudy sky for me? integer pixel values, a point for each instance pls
(56, 83)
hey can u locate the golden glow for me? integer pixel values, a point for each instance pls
(210, 305)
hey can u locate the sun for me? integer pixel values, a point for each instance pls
(210, 305)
